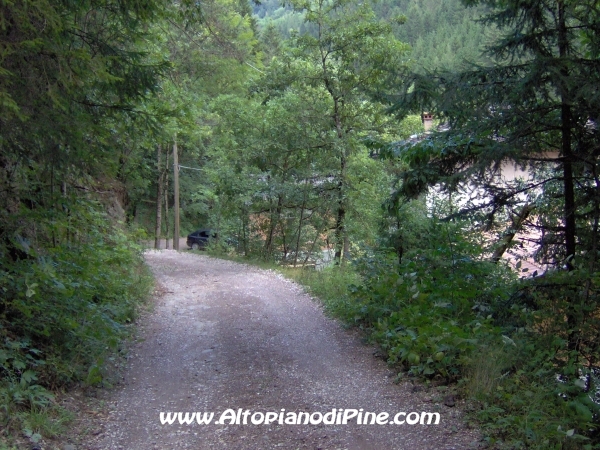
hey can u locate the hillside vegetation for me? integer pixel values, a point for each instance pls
(442, 34)
(293, 145)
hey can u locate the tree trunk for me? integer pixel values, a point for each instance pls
(272, 226)
(284, 240)
(342, 244)
(567, 152)
(311, 250)
(516, 224)
(300, 228)
(340, 226)
(398, 241)
(245, 220)
(567, 155)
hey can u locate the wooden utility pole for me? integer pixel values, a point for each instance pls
(167, 199)
(176, 194)
(159, 199)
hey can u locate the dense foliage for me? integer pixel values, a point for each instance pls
(536, 109)
(298, 131)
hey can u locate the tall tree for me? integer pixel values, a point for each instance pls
(73, 78)
(538, 105)
(347, 54)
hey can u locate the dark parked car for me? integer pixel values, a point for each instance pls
(199, 239)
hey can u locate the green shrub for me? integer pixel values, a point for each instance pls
(71, 282)
(430, 311)
(528, 403)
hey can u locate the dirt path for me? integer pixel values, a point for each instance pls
(226, 335)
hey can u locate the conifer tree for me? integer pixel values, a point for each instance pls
(537, 105)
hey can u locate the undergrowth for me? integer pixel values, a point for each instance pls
(71, 283)
(330, 284)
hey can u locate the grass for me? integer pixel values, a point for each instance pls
(485, 371)
(30, 425)
(330, 285)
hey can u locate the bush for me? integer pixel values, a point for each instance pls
(430, 311)
(71, 282)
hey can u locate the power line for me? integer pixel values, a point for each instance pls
(191, 168)
(258, 70)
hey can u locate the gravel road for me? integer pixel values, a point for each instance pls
(224, 336)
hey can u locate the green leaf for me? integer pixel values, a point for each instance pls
(30, 290)
(18, 364)
(582, 410)
(94, 375)
(28, 376)
(413, 358)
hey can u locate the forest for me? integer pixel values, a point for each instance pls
(299, 134)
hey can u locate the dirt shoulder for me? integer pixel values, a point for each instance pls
(229, 336)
